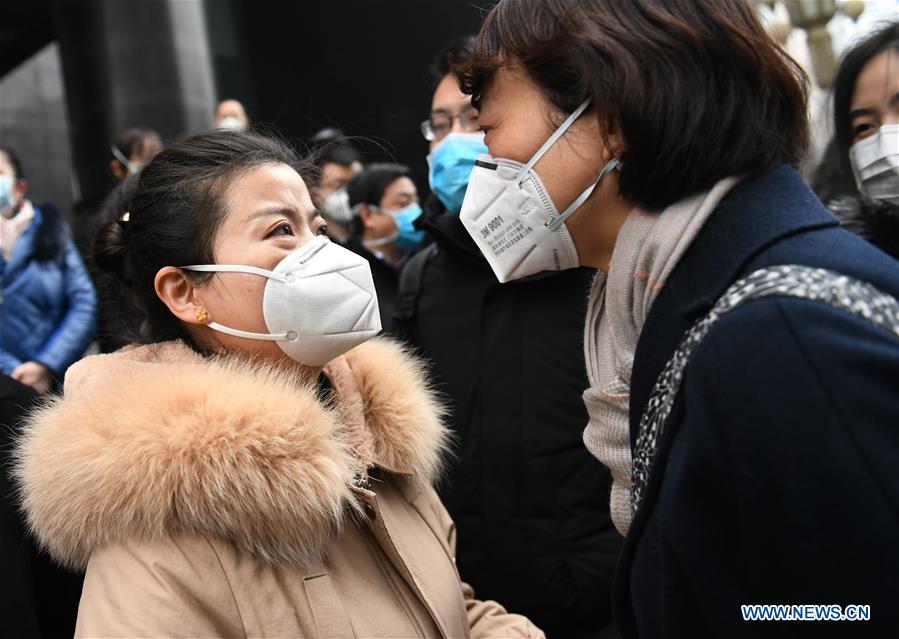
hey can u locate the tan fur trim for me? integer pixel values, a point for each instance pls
(401, 411)
(217, 448)
(158, 440)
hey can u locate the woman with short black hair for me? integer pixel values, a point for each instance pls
(742, 349)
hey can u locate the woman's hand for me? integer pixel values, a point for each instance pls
(34, 374)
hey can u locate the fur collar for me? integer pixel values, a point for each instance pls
(158, 440)
(877, 222)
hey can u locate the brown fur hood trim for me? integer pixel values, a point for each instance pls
(158, 440)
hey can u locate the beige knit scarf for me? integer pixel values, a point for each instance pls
(647, 250)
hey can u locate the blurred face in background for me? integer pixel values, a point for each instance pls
(139, 158)
(451, 111)
(230, 114)
(379, 222)
(13, 188)
(336, 176)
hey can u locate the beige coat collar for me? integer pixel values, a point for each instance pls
(159, 440)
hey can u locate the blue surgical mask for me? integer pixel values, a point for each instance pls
(450, 164)
(7, 199)
(408, 236)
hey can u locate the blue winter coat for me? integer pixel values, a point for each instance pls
(776, 480)
(47, 302)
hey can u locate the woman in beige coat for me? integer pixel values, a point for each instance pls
(228, 480)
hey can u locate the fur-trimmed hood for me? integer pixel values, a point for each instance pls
(159, 440)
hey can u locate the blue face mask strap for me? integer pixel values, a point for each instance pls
(553, 139)
(554, 224)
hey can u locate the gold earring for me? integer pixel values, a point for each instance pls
(202, 315)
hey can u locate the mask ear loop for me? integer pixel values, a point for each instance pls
(554, 224)
(552, 140)
(122, 159)
(307, 253)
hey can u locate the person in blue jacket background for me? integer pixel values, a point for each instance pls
(47, 301)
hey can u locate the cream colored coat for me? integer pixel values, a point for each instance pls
(212, 497)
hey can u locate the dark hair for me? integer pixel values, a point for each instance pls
(135, 140)
(851, 66)
(174, 214)
(832, 177)
(331, 145)
(697, 89)
(14, 161)
(457, 53)
(369, 185)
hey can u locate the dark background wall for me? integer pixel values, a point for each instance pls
(360, 65)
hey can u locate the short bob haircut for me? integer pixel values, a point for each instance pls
(697, 89)
(853, 63)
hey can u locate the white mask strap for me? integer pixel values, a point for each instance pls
(235, 268)
(553, 225)
(268, 337)
(553, 139)
(121, 158)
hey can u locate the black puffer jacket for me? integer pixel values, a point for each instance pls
(529, 501)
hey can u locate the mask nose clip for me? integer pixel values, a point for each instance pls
(317, 246)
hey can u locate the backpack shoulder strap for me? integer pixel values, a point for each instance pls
(410, 283)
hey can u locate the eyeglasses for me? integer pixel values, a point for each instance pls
(439, 124)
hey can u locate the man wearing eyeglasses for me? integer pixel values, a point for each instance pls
(530, 504)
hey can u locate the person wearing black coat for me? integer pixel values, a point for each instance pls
(742, 348)
(37, 598)
(775, 480)
(529, 502)
(384, 202)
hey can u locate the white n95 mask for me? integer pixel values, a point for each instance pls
(319, 302)
(512, 219)
(875, 163)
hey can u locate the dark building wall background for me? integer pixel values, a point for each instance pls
(33, 121)
(360, 65)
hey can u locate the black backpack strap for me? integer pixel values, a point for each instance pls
(410, 283)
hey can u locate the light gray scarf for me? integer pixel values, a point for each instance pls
(647, 250)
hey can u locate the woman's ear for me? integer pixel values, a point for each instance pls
(118, 171)
(20, 188)
(179, 294)
(365, 214)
